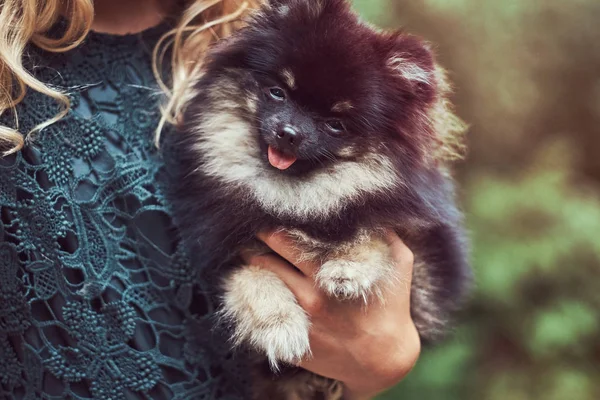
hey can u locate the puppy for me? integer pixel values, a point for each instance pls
(312, 122)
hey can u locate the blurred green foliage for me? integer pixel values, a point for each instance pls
(527, 77)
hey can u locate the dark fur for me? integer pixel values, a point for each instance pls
(334, 57)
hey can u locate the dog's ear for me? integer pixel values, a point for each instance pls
(412, 88)
(410, 63)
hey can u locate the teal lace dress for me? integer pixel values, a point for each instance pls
(98, 300)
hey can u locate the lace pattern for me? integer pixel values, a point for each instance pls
(97, 297)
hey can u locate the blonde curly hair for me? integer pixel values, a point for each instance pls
(25, 22)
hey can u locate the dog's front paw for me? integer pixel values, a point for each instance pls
(266, 315)
(346, 280)
(360, 272)
(285, 340)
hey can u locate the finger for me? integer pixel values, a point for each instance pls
(248, 254)
(281, 244)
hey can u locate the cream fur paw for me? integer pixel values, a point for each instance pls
(266, 315)
(347, 280)
(358, 271)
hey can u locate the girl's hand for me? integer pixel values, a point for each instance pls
(368, 350)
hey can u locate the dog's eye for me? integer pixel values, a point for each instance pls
(277, 93)
(335, 125)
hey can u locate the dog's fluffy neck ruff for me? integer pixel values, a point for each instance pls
(231, 155)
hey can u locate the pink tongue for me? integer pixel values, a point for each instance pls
(279, 160)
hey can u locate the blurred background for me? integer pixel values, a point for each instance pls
(527, 76)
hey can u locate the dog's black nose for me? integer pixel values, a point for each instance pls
(288, 138)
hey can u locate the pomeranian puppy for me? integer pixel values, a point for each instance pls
(311, 121)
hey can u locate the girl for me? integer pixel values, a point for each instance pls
(97, 297)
